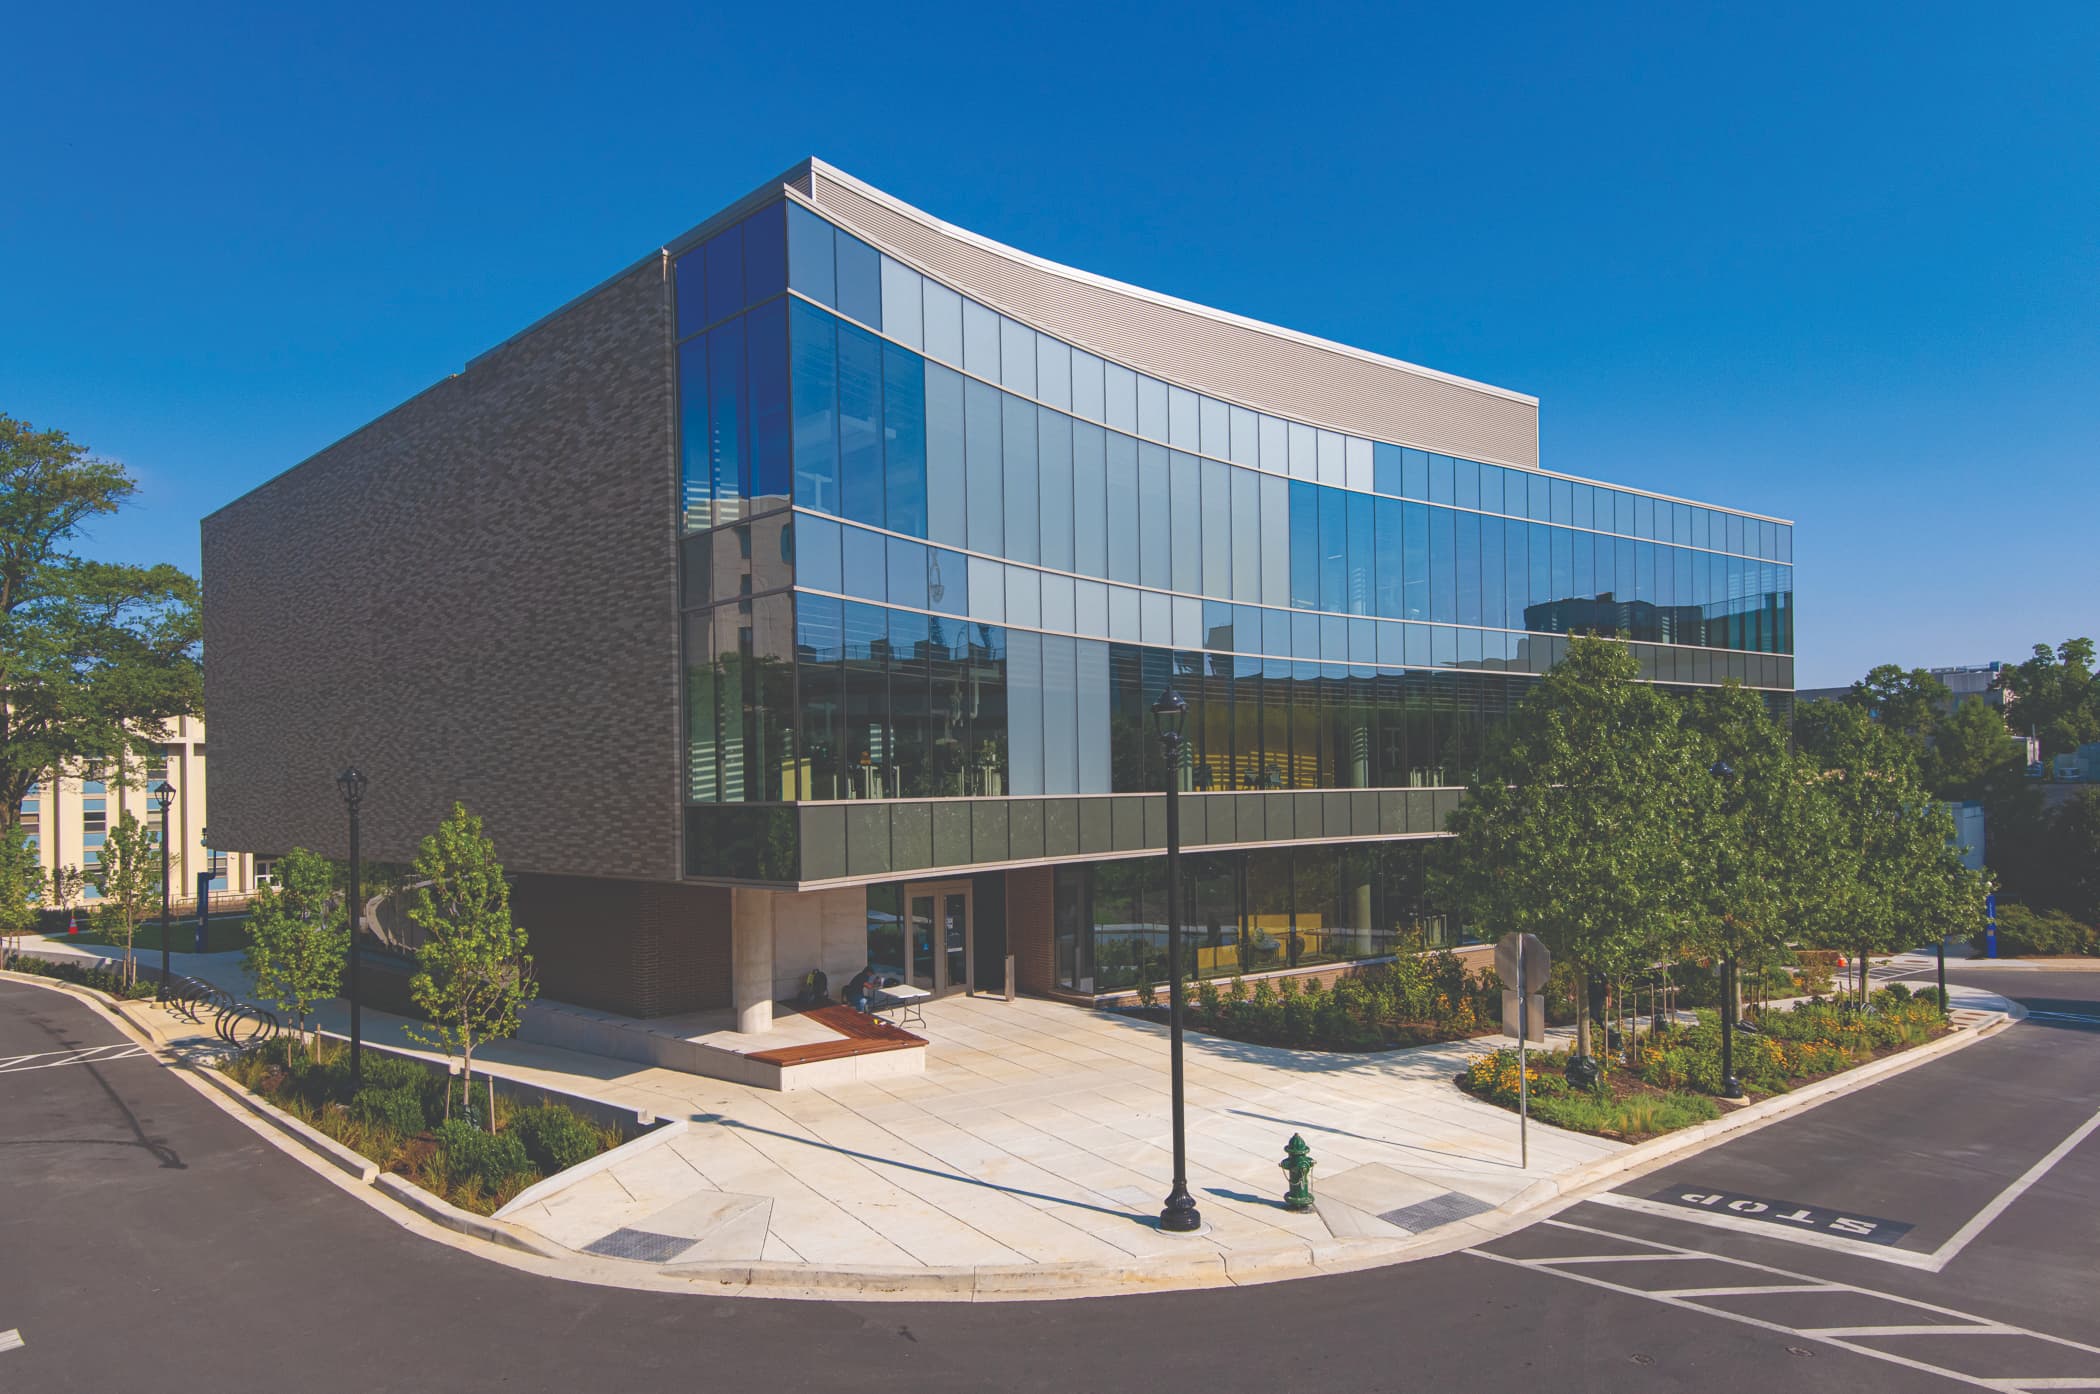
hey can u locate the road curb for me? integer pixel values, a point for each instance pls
(1031, 1282)
(354, 1164)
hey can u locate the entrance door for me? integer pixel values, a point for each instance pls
(938, 944)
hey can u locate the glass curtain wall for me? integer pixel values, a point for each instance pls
(1247, 912)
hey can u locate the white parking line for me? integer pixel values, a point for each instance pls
(92, 1055)
(1947, 1252)
(1848, 1338)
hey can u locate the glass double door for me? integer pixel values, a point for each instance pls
(937, 947)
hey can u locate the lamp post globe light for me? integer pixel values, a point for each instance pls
(352, 784)
(162, 797)
(1169, 715)
(1731, 1087)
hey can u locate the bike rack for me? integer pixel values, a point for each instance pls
(242, 1025)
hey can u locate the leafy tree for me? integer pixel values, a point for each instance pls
(299, 936)
(2075, 835)
(1900, 879)
(68, 884)
(1776, 858)
(1973, 756)
(94, 657)
(1908, 702)
(1578, 827)
(473, 975)
(128, 876)
(21, 890)
(2056, 697)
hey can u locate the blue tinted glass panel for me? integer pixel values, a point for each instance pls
(1414, 561)
(1017, 357)
(817, 563)
(1585, 506)
(771, 451)
(1216, 530)
(1024, 709)
(980, 341)
(689, 275)
(1122, 515)
(1023, 486)
(907, 573)
(1541, 498)
(1155, 517)
(860, 425)
(1246, 542)
(1607, 562)
(1362, 554)
(1443, 566)
(1334, 637)
(1334, 550)
(1622, 514)
(1276, 631)
(860, 281)
(1563, 501)
(1060, 714)
(903, 304)
(1560, 584)
(725, 410)
(696, 477)
(943, 315)
(866, 564)
(1466, 558)
(1305, 546)
(1516, 572)
(765, 253)
(1541, 574)
(1190, 526)
(904, 440)
(1491, 488)
(1467, 491)
(1089, 500)
(947, 582)
(946, 519)
(725, 273)
(1582, 574)
(813, 342)
(1385, 467)
(1441, 479)
(1385, 550)
(1643, 516)
(1054, 469)
(985, 466)
(1414, 473)
(1492, 579)
(811, 265)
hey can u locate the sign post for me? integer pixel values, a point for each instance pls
(203, 910)
(1990, 925)
(1523, 959)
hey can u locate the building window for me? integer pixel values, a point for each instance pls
(94, 813)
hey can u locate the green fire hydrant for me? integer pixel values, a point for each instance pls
(1297, 1164)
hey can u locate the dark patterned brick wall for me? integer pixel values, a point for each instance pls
(472, 598)
(633, 947)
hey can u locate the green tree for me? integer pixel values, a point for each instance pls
(299, 937)
(127, 873)
(1973, 755)
(1775, 854)
(1579, 826)
(94, 657)
(473, 975)
(2075, 839)
(68, 884)
(2056, 697)
(1907, 702)
(1900, 879)
(21, 890)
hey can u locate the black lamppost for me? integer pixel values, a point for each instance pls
(352, 782)
(1169, 714)
(162, 797)
(1731, 1088)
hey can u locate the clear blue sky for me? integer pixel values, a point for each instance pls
(1838, 263)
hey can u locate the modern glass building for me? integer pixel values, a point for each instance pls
(939, 560)
(949, 518)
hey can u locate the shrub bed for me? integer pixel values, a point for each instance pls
(1665, 1079)
(66, 970)
(1415, 999)
(2026, 933)
(399, 1119)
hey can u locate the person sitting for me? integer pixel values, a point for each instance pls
(862, 990)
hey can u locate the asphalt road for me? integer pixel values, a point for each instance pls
(147, 1240)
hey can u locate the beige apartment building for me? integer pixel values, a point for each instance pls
(68, 818)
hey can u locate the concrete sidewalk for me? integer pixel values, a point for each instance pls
(1033, 1155)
